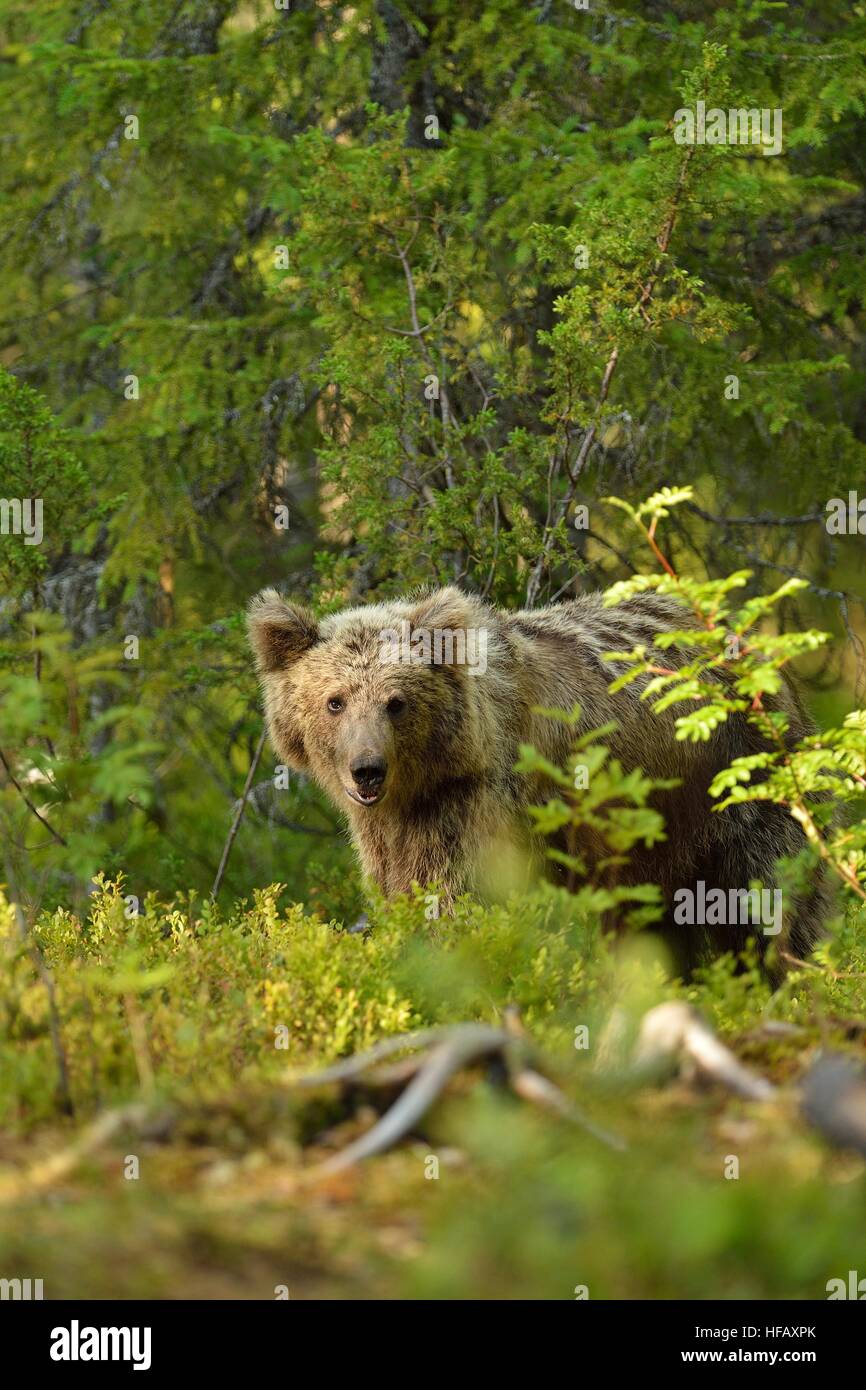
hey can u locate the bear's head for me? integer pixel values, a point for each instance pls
(378, 703)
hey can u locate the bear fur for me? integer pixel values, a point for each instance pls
(419, 753)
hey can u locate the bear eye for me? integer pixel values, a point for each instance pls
(335, 704)
(396, 705)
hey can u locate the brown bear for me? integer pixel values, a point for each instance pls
(410, 714)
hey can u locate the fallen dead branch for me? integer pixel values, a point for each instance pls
(673, 1040)
(675, 1037)
(467, 1043)
(538, 1090)
(440, 1053)
(351, 1068)
(435, 1055)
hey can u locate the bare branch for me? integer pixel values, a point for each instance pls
(675, 1034)
(239, 812)
(28, 803)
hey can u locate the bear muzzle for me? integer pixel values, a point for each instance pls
(368, 775)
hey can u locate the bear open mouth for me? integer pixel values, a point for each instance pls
(365, 798)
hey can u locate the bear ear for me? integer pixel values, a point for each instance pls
(279, 632)
(444, 608)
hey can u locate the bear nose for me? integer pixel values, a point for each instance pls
(368, 770)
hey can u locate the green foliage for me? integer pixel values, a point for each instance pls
(36, 464)
(601, 798)
(220, 989)
(183, 1006)
(737, 668)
